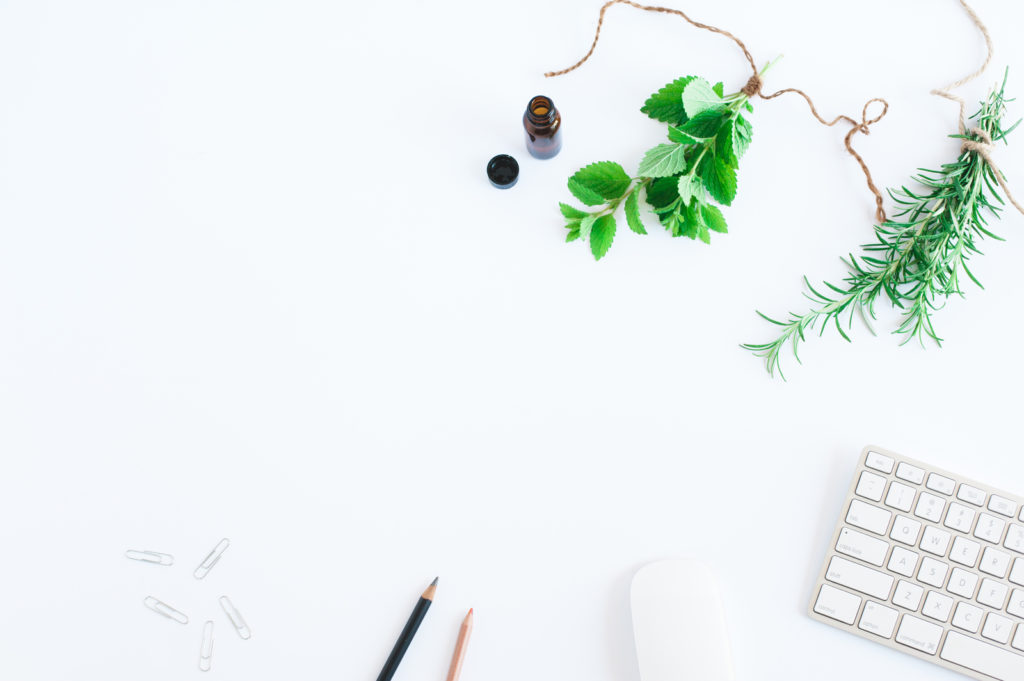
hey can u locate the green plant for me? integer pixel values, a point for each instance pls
(707, 136)
(920, 256)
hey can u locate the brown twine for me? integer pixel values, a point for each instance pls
(982, 146)
(753, 87)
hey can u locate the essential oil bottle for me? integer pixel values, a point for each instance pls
(543, 126)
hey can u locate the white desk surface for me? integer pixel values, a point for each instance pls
(254, 284)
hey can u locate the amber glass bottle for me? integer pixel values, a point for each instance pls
(543, 126)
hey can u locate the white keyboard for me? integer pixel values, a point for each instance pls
(931, 564)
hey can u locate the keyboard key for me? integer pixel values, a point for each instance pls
(1017, 573)
(940, 484)
(1018, 640)
(962, 583)
(960, 518)
(837, 604)
(972, 495)
(997, 628)
(990, 528)
(932, 572)
(859, 578)
(880, 462)
(1015, 538)
(1016, 605)
(906, 530)
(937, 606)
(965, 551)
(871, 486)
(1002, 506)
(930, 507)
(908, 595)
(992, 594)
(879, 619)
(900, 496)
(909, 473)
(920, 635)
(903, 561)
(968, 617)
(995, 562)
(859, 545)
(935, 541)
(982, 657)
(867, 517)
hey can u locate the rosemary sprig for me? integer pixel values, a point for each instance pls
(919, 257)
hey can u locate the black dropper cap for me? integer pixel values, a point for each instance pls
(503, 171)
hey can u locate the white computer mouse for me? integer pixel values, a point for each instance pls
(679, 623)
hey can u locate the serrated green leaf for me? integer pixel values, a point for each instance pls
(748, 106)
(698, 96)
(586, 196)
(572, 235)
(573, 224)
(663, 160)
(713, 218)
(586, 224)
(719, 89)
(662, 192)
(691, 221)
(743, 133)
(690, 187)
(667, 103)
(720, 180)
(604, 178)
(706, 124)
(633, 214)
(601, 235)
(571, 213)
(703, 234)
(678, 136)
(724, 145)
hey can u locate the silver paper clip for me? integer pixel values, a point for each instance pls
(206, 647)
(167, 611)
(150, 557)
(212, 558)
(236, 618)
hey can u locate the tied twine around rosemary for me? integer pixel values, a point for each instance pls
(754, 87)
(979, 141)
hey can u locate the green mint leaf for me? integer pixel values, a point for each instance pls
(690, 187)
(719, 179)
(572, 235)
(633, 214)
(601, 235)
(586, 224)
(706, 124)
(691, 222)
(662, 192)
(698, 96)
(666, 104)
(605, 179)
(587, 196)
(725, 146)
(713, 218)
(703, 234)
(678, 136)
(719, 89)
(663, 160)
(571, 213)
(743, 134)
(748, 106)
(573, 224)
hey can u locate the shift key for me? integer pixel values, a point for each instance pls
(859, 578)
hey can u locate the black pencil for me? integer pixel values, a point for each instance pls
(398, 652)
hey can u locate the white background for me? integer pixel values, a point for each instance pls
(254, 283)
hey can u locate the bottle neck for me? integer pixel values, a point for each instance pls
(541, 111)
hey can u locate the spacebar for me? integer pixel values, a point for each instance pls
(982, 657)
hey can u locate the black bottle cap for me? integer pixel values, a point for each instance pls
(503, 171)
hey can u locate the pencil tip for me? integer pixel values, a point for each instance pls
(470, 613)
(434, 583)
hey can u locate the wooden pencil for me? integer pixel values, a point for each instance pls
(402, 644)
(460, 647)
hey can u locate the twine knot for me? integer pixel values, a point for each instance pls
(982, 146)
(753, 86)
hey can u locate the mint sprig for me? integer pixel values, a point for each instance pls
(707, 136)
